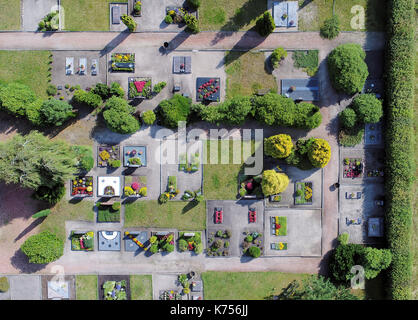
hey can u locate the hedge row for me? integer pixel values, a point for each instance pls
(400, 143)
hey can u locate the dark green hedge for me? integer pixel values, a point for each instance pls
(400, 143)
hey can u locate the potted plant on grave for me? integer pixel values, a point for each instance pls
(137, 9)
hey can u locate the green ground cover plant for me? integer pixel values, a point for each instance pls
(306, 60)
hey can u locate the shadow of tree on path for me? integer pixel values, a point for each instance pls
(29, 228)
(114, 42)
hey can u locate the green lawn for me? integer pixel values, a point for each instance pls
(28, 67)
(87, 15)
(86, 287)
(9, 15)
(246, 285)
(231, 15)
(319, 10)
(107, 214)
(64, 211)
(220, 181)
(141, 287)
(180, 215)
(238, 67)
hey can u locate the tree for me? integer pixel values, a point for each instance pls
(348, 118)
(50, 194)
(278, 146)
(342, 259)
(102, 90)
(118, 116)
(319, 153)
(116, 90)
(33, 112)
(15, 97)
(274, 109)
(34, 161)
(316, 288)
(368, 108)
(44, 247)
(89, 99)
(55, 112)
(331, 28)
(273, 182)
(347, 68)
(375, 260)
(277, 56)
(233, 111)
(174, 110)
(307, 115)
(129, 22)
(254, 251)
(148, 117)
(265, 24)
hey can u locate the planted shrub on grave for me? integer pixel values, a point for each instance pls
(319, 153)
(250, 185)
(274, 182)
(278, 146)
(190, 242)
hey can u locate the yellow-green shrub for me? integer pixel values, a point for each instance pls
(278, 146)
(319, 153)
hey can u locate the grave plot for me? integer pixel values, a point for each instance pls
(108, 156)
(82, 241)
(123, 62)
(135, 186)
(218, 242)
(303, 193)
(82, 186)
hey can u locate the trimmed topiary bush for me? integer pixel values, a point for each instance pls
(118, 116)
(44, 247)
(55, 112)
(331, 28)
(273, 182)
(89, 99)
(254, 251)
(278, 146)
(319, 153)
(277, 56)
(129, 22)
(148, 117)
(265, 24)
(173, 110)
(41, 214)
(347, 70)
(368, 108)
(348, 118)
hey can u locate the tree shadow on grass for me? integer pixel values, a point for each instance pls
(29, 228)
(242, 17)
(192, 204)
(21, 262)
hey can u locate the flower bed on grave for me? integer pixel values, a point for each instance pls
(251, 239)
(161, 242)
(250, 186)
(135, 156)
(279, 246)
(135, 186)
(139, 88)
(275, 198)
(218, 243)
(208, 89)
(82, 241)
(279, 226)
(303, 193)
(108, 156)
(170, 295)
(171, 192)
(189, 162)
(353, 168)
(114, 290)
(137, 10)
(123, 62)
(82, 186)
(190, 241)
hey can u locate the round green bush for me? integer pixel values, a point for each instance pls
(254, 251)
(347, 69)
(154, 248)
(116, 206)
(348, 118)
(249, 238)
(331, 28)
(44, 247)
(198, 249)
(279, 146)
(174, 110)
(168, 19)
(15, 97)
(51, 90)
(183, 246)
(149, 117)
(368, 108)
(4, 284)
(277, 56)
(118, 116)
(55, 112)
(116, 90)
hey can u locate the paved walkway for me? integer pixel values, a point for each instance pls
(331, 104)
(106, 41)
